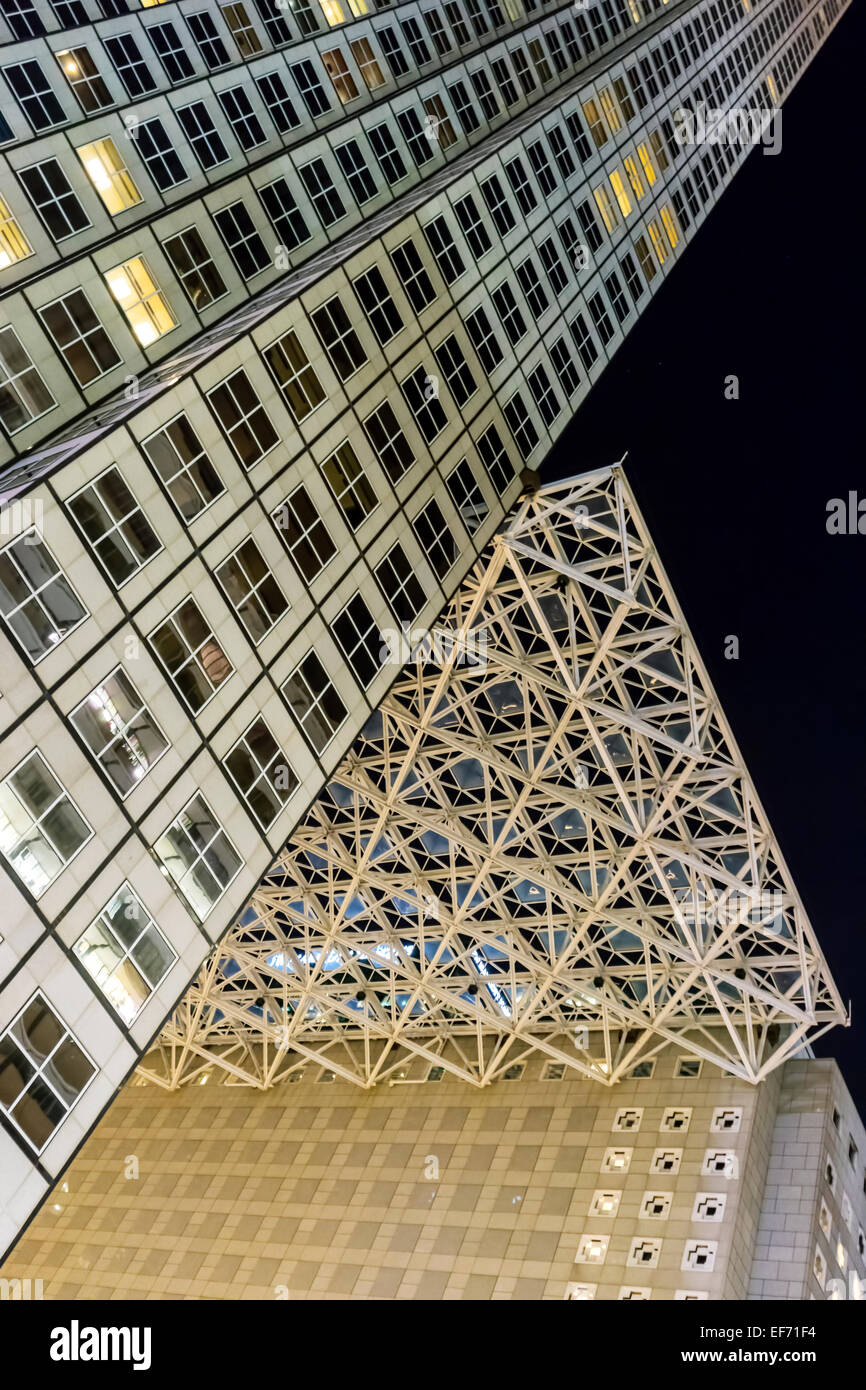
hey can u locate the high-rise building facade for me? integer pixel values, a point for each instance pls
(291, 295)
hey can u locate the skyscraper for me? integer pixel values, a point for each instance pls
(292, 296)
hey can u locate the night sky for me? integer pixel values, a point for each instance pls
(735, 493)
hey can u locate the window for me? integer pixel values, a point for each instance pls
(238, 110)
(386, 152)
(304, 16)
(658, 241)
(24, 397)
(323, 195)
(544, 395)
(504, 81)
(142, 301)
(439, 125)
(305, 534)
(129, 65)
(274, 94)
(241, 29)
(375, 299)
(436, 539)
(438, 236)
(193, 658)
(455, 369)
(160, 157)
(338, 338)
(613, 285)
(311, 90)
(301, 388)
(415, 39)
(553, 267)
(368, 64)
(484, 94)
(539, 61)
(359, 639)
(576, 131)
(458, 23)
(647, 164)
(338, 70)
(586, 348)
(497, 205)
(181, 463)
(45, 1071)
(199, 856)
(472, 226)
(523, 70)
(349, 484)
(242, 416)
(109, 175)
(278, 202)
(260, 772)
(509, 313)
(51, 194)
(23, 20)
(438, 33)
(171, 52)
(632, 279)
(388, 441)
(125, 953)
(601, 318)
(397, 579)
(242, 240)
(484, 340)
(610, 109)
(207, 144)
(115, 527)
(618, 186)
(521, 426)
(34, 95)
(597, 128)
(670, 226)
(419, 393)
(41, 828)
(467, 496)
(413, 277)
(356, 172)
(563, 365)
(194, 267)
(314, 702)
(119, 731)
(492, 453)
(464, 106)
(394, 53)
(647, 264)
(37, 601)
(252, 591)
(609, 214)
(542, 169)
(415, 135)
(84, 80)
(203, 28)
(531, 285)
(86, 347)
(561, 152)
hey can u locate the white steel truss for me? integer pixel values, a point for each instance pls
(544, 840)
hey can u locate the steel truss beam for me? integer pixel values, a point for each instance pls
(544, 840)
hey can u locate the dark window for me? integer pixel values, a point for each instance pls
(242, 240)
(242, 416)
(192, 263)
(84, 343)
(53, 198)
(159, 155)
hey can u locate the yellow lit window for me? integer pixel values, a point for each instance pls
(359, 7)
(362, 52)
(634, 177)
(515, 9)
(338, 70)
(621, 196)
(608, 106)
(141, 299)
(670, 225)
(14, 245)
(659, 150)
(146, 4)
(606, 207)
(595, 123)
(658, 241)
(747, 6)
(635, 11)
(644, 156)
(333, 12)
(109, 175)
(772, 88)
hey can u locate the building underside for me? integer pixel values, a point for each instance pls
(545, 840)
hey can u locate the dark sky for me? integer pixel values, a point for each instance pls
(735, 492)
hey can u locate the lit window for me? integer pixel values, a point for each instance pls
(126, 953)
(14, 245)
(596, 124)
(649, 170)
(259, 769)
(606, 207)
(117, 530)
(45, 1071)
(619, 189)
(41, 828)
(670, 226)
(199, 856)
(37, 601)
(608, 106)
(120, 731)
(634, 177)
(368, 64)
(338, 70)
(333, 12)
(142, 301)
(23, 394)
(83, 77)
(658, 241)
(109, 175)
(193, 658)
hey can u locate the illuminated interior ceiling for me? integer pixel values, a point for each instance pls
(544, 841)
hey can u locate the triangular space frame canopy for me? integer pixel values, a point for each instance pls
(544, 840)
